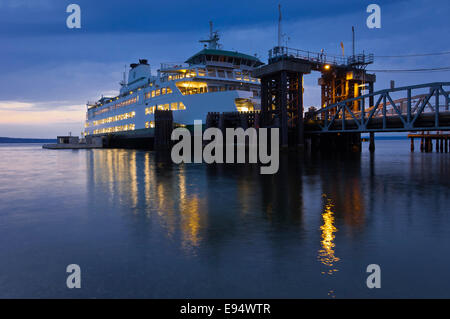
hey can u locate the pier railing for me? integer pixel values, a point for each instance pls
(168, 66)
(319, 57)
(409, 108)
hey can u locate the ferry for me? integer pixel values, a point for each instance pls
(212, 80)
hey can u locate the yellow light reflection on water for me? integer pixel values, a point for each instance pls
(326, 254)
(190, 222)
(181, 212)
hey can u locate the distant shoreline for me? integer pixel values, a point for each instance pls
(9, 140)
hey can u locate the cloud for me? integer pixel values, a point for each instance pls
(23, 113)
(14, 106)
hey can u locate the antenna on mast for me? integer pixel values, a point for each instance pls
(210, 29)
(280, 35)
(213, 38)
(353, 39)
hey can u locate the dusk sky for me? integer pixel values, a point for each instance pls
(48, 71)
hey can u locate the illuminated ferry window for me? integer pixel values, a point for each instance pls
(166, 107)
(150, 110)
(163, 91)
(201, 72)
(191, 87)
(157, 92)
(160, 107)
(174, 106)
(150, 124)
(181, 106)
(238, 76)
(153, 93)
(192, 73)
(169, 90)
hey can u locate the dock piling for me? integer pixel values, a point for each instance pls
(442, 140)
(372, 142)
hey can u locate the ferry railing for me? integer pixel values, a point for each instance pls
(167, 66)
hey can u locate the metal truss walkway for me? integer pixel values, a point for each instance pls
(422, 107)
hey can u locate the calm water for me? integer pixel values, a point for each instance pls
(142, 227)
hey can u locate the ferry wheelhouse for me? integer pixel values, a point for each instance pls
(212, 80)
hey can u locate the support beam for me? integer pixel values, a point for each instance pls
(300, 124)
(372, 142)
(282, 87)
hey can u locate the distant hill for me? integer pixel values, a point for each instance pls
(26, 140)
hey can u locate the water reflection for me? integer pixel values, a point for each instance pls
(146, 183)
(342, 181)
(326, 253)
(190, 214)
(134, 217)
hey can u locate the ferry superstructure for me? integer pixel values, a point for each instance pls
(212, 80)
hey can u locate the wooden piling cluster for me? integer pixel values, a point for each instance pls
(441, 140)
(232, 120)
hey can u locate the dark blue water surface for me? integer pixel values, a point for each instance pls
(139, 226)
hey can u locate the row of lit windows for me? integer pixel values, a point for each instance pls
(121, 128)
(116, 118)
(99, 112)
(126, 102)
(212, 72)
(187, 74)
(151, 124)
(188, 88)
(118, 105)
(158, 92)
(168, 106)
